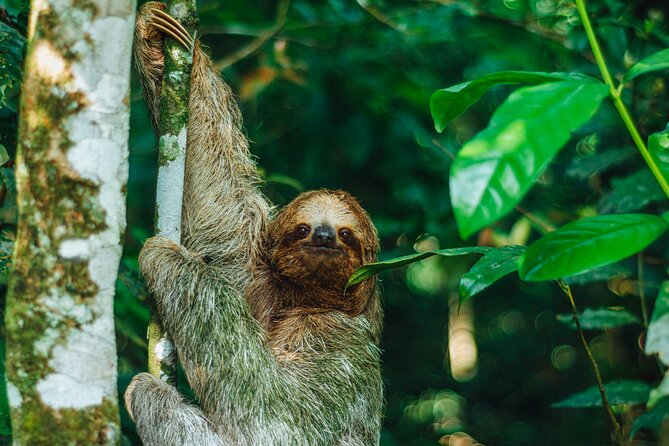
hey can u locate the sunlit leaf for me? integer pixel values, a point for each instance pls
(631, 193)
(488, 269)
(657, 339)
(449, 103)
(600, 318)
(617, 392)
(589, 243)
(371, 269)
(654, 62)
(653, 419)
(495, 169)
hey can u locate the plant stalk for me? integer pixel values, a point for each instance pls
(615, 94)
(617, 431)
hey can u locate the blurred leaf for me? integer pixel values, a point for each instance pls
(658, 146)
(585, 166)
(654, 62)
(449, 103)
(600, 318)
(584, 244)
(599, 274)
(631, 193)
(286, 181)
(660, 391)
(657, 339)
(617, 392)
(371, 269)
(11, 59)
(488, 269)
(4, 156)
(652, 419)
(6, 247)
(495, 169)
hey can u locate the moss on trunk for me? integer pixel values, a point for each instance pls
(71, 169)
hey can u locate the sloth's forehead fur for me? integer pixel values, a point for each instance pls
(327, 209)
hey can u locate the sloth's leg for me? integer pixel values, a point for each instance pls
(219, 343)
(163, 418)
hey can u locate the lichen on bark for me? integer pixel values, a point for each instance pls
(71, 170)
(172, 157)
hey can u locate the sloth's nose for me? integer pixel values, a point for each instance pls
(324, 235)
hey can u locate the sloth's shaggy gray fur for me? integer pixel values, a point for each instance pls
(273, 360)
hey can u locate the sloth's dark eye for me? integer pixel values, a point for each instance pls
(345, 234)
(302, 231)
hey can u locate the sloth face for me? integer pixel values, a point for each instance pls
(322, 237)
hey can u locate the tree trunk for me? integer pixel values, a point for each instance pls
(71, 171)
(172, 161)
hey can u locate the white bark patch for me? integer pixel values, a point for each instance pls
(84, 362)
(169, 192)
(14, 396)
(84, 368)
(48, 63)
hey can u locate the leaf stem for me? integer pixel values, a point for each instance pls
(616, 97)
(598, 376)
(642, 291)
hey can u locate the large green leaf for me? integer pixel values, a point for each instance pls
(489, 269)
(449, 103)
(600, 318)
(599, 274)
(617, 392)
(11, 60)
(654, 62)
(495, 169)
(652, 419)
(588, 243)
(371, 269)
(657, 340)
(5, 424)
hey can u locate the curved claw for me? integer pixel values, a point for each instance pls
(168, 25)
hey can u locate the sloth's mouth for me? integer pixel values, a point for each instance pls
(319, 249)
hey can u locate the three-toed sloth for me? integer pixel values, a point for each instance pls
(274, 347)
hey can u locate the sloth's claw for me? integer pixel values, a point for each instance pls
(168, 25)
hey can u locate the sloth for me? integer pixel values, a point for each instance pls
(276, 350)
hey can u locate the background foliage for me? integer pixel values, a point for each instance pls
(335, 94)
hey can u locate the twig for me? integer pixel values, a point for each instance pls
(598, 376)
(642, 292)
(255, 44)
(616, 95)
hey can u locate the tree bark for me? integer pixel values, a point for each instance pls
(71, 172)
(172, 162)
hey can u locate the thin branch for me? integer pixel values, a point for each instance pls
(642, 291)
(257, 43)
(598, 376)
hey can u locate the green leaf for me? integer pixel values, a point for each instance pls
(583, 167)
(631, 193)
(654, 62)
(371, 269)
(588, 243)
(652, 419)
(599, 274)
(657, 339)
(617, 392)
(495, 169)
(488, 269)
(4, 156)
(658, 146)
(600, 318)
(449, 103)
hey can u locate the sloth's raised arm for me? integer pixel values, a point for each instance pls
(224, 212)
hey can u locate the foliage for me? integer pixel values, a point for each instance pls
(619, 392)
(337, 94)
